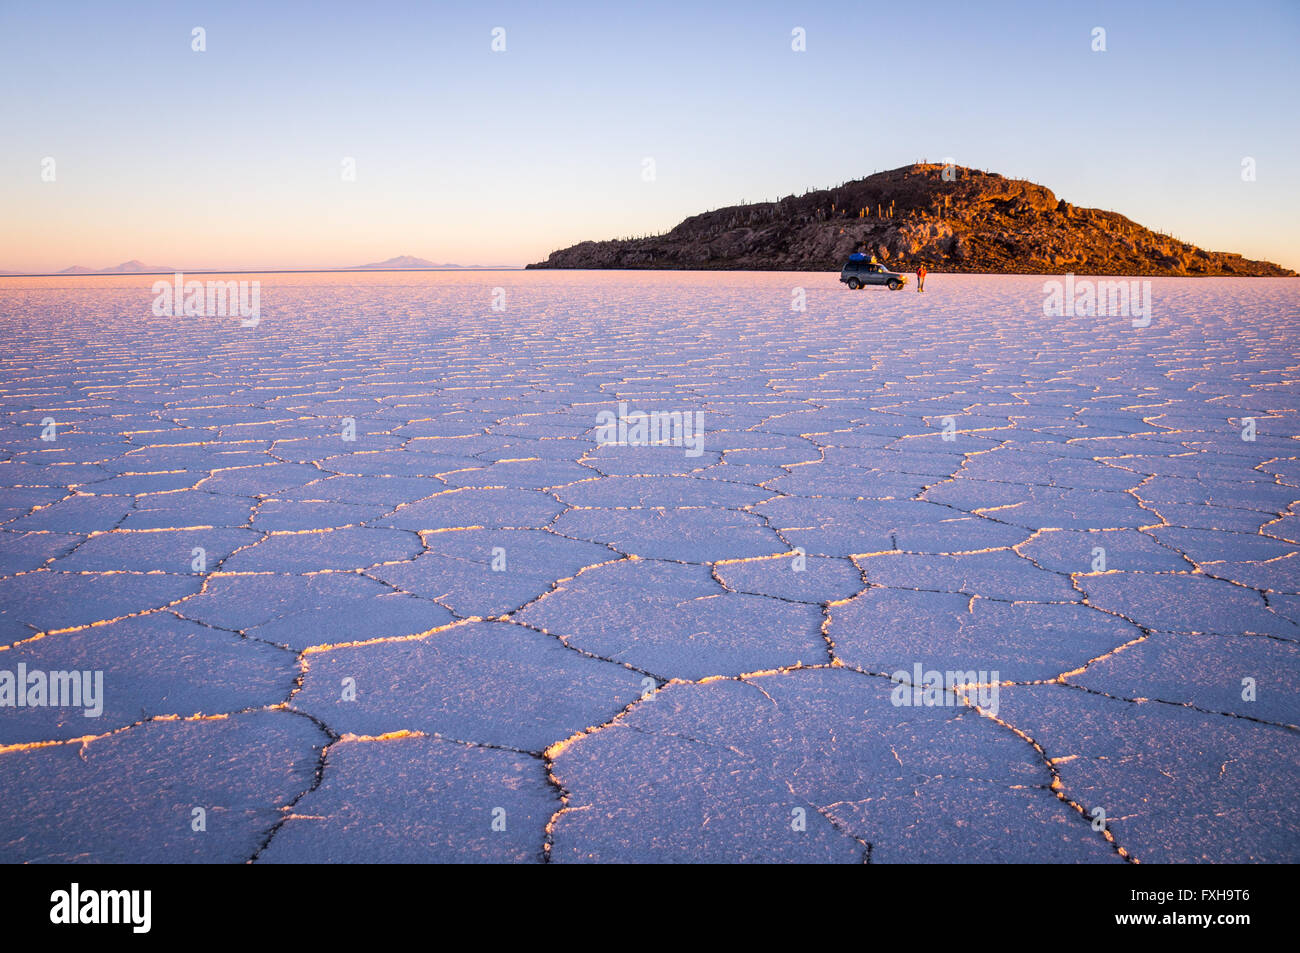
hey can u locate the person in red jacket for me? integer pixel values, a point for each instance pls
(920, 277)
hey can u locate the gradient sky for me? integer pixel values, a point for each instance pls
(231, 158)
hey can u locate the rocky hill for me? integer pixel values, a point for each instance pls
(967, 221)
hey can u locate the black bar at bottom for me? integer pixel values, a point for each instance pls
(332, 903)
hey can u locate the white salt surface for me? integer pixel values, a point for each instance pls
(473, 634)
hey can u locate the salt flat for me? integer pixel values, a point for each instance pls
(472, 633)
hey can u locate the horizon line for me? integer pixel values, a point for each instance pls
(247, 271)
(718, 271)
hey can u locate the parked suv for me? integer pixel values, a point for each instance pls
(859, 274)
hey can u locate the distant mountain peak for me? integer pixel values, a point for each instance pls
(404, 261)
(137, 267)
(400, 263)
(132, 267)
(411, 263)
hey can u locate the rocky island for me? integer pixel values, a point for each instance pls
(949, 218)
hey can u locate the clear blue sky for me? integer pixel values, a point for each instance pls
(232, 157)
